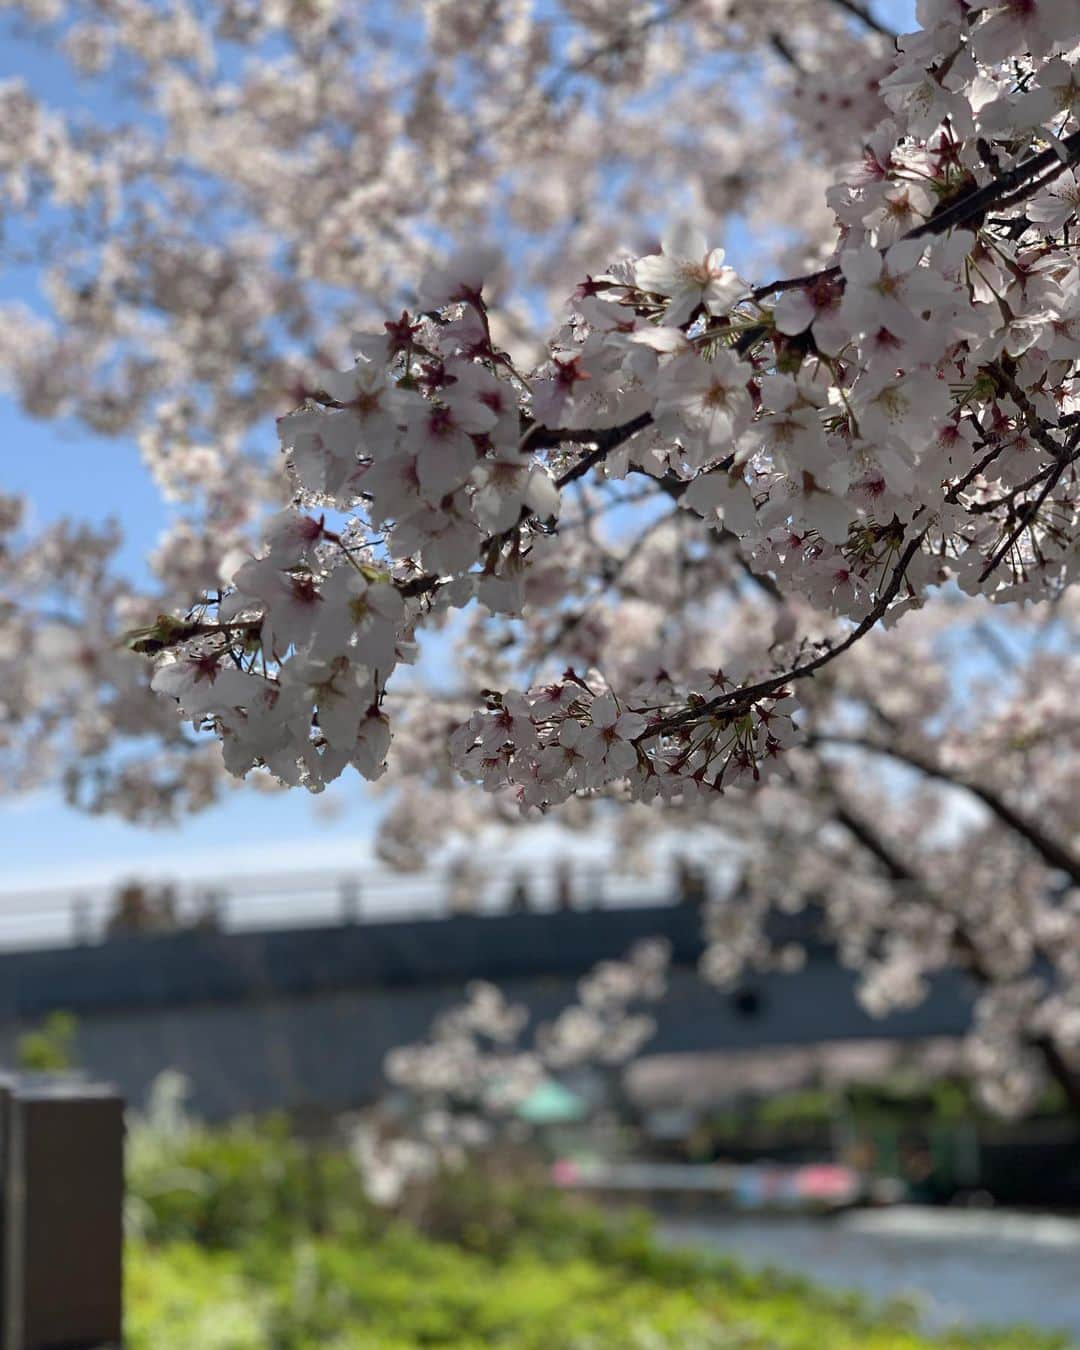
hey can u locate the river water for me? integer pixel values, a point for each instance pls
(960, 1266)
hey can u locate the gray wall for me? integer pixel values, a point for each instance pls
(303, 1019)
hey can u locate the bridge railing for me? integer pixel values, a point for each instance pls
(62, 916)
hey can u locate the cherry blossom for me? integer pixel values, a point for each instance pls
(690, 276)
(458, 1090)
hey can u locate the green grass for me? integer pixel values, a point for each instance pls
(244, 1240)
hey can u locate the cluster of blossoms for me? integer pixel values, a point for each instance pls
(602, 1027)
(471, 1055)
(902, 417)
(71, 689)
(213, 194)
(463, 1084)
(210, 237)
(424, 441)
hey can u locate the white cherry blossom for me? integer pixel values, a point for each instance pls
(690, 275)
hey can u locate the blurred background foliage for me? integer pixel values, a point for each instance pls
(49, 1048)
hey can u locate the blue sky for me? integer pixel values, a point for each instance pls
(67, 472)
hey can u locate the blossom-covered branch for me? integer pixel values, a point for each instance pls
(482, 1060)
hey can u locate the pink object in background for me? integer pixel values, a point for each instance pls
(826, 1181)
(565, 1172)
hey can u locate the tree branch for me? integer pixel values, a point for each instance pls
(969, 207)
(1057, 1065)
(1028, 512)
(1056, 855)
(606, 440)
(868, 838)
(861, 832)
(863, 14)
(619, 43)
(741, 700)
(1059, 1068)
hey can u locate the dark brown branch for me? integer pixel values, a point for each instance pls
(603, 441)
(870, 839)
(1060, 1070)
(1056, 855)
(1027, 514)
(1061, 456)
(861, 832)
(619, 43)
(168, 632)
(795, 283)
(863, 14)
(740, 700)
(1008, 498)
(972, 206)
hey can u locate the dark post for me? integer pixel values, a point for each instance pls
(10, 1205)
(350, 900)
(62, 1216)
(690, 882)
(564, 886)
(462, 886)
(210, 914)
(518, 901)
(81, 924)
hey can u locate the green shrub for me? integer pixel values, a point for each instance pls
(50, 1048)
(225, 1186)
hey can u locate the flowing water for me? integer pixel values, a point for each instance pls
(960, 1266)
